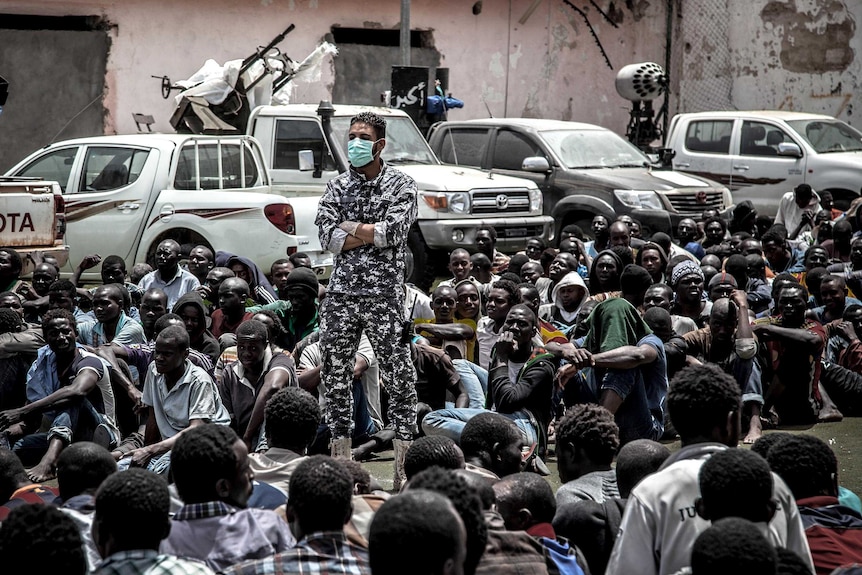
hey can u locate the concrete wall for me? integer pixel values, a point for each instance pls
(546, 66)
(801, 55)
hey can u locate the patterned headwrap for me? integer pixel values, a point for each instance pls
(683, 269)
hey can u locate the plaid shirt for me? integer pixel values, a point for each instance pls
(323, 553)
(149, 562)
(203, 510)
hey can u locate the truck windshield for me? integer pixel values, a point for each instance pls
(404, 142)
(827, 136)
(579, 149)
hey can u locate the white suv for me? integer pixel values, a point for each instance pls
(762, 155)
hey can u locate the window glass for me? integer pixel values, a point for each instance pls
(464, 147)
(760, 139)
(828, 135)
(510, 149)
(291, 136)
(231, 175)
(711, 136)
(111, 168)
(55, 166)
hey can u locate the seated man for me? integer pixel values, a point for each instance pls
(319, 505)
(18, 348)
(201, 261)
(44, 275)
(112, 323)
(456, 337)
(154, 304)
(16, 489)
(211, 470)
(297, 307)
(687, 281)
(178, 396)
(491, 444)
(436, 377)
(460, 266)
(259, 288)
(130, 520)
(521, 379)
(569, 294)
(791, 348)
(69, 386)
(168, 275)
(833, 294)
(292, 418)
(231, 312)
(526, 503)
(247, 383)
(113, 271)
(728, 342)
(191, 308)
(661, 295)
(587, 440)
(627, 372)
(809, 467)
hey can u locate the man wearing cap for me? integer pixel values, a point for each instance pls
(721, 285)
(297, 307)
(687, 281)
(797, 208)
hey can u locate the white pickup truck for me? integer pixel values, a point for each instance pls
(305, 146)
(763, 154)
(33, 219)
(125, 194)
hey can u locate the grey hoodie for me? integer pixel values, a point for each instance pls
(550, 311)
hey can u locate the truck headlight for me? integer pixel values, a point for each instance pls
(459, 203)
(535, 200)
(639, 199)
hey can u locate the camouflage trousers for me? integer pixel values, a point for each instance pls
(343, 319)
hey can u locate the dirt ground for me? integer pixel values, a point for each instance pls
(845, 438)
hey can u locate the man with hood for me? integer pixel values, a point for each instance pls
(569, 294)
(260, 290)
(193, 311)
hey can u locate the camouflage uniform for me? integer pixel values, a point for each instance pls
(366, 292)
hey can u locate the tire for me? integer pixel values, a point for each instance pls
(421, 270)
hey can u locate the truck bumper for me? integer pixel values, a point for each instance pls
(28, 256)
(725, 214)
(512, 233)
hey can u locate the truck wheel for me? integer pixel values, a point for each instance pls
(420, 262)
(187, 240)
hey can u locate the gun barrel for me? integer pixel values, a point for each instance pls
(260, 53)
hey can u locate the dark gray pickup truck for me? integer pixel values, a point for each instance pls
(583, 170)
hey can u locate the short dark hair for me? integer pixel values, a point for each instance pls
(592, 428)
(42, 539)
(176, 333)
(360, 476)
(509, 287)
(491, 231)
(767, 441)
(806, 464)
(294, 258)
(529, 287)
(253, 329)
(133, 507)
(55, 314)
(163, 322)
(699, 399)
(292, 418)
(63, 286)
(736, 483)
(430, 451)
(772, 236)
(732, 545)
(418, 528)
(486, 429)
(12, 474)
(113, 260)
(82, 468)
(790, 563)
(373, 120)
(321, 494)
(10, 321)
(201, 456)
(275, 320)
(468, 505)
(528, 491)
(625, 255)
(17, 262)
(638, 459)
(716, 219)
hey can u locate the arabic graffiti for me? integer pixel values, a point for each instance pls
(411, 96)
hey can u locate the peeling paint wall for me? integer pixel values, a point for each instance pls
(803, 55)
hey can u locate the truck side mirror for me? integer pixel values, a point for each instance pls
(789, 149)
(536, 164)
(306, 160)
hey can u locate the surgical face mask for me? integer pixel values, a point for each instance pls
(359, 152)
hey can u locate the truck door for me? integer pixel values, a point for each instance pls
(106, 196)
(289, 137)
(759, 174)
(509, 150)
(705, 150)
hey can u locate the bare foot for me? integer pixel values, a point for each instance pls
(755, 430)
(829, 413)
(42, 472)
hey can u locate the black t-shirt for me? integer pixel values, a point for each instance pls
(435, 374)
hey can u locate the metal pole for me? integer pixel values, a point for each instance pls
(405, 32)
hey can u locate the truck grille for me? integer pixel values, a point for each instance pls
(696, 202)
(502, 201)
